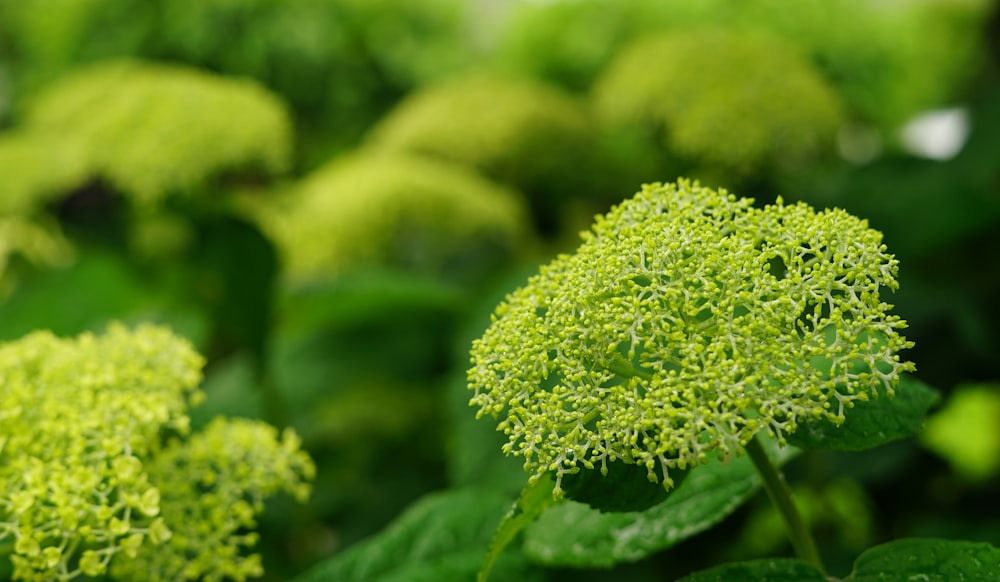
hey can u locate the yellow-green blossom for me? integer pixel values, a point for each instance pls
(212, 487)
(686, 322)
(85, 480)
(79, 418)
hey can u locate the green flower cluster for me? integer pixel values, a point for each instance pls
(506, 128)
(686, 322)
(85, 480)
(732, 102)
(391, 209)
(213, 486)
(151, 129)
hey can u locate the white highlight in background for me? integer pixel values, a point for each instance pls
(938, 135)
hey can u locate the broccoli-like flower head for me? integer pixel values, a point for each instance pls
(151, 129)
(85, 479)
(687, 321)
(731, 101)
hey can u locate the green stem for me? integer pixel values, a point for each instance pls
(777, 489)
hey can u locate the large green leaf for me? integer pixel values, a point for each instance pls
(626, 487)
(534, 499)
(871, 423)
(928, 560)
(441, 538)
(574, 534)
(766, 570)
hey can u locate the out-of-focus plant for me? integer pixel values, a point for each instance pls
(520, 132)
(731, 105)
(43, 39)
(570, 42)
(149, 152)
(887, 60)
(339, 63)
(152, 129)
(966, 433)
(394, 210)
(36, 169)
(100, 474)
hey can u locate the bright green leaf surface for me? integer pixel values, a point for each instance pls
(767, 570)
(872, 423)
(440, 538)
(573, 534)
(928, 560)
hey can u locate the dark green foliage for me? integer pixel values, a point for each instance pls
(930, 560)
(438, 539)
(768, 570)
(572, 534)
(872, 423)
(625, 488)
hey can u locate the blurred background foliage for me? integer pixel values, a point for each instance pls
(328, 197)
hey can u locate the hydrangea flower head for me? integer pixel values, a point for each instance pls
(98, 471)
(687, 321)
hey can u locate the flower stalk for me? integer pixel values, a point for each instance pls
(777, 489)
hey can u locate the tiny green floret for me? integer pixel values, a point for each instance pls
(687, 321)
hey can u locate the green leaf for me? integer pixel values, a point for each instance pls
(928, 560)
(534, 499)
(440, 538)
(872, 423)
(625, 488)
(766, 570)
(573, 534)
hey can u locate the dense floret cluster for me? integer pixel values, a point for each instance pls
(686, 322)
(86, 482)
